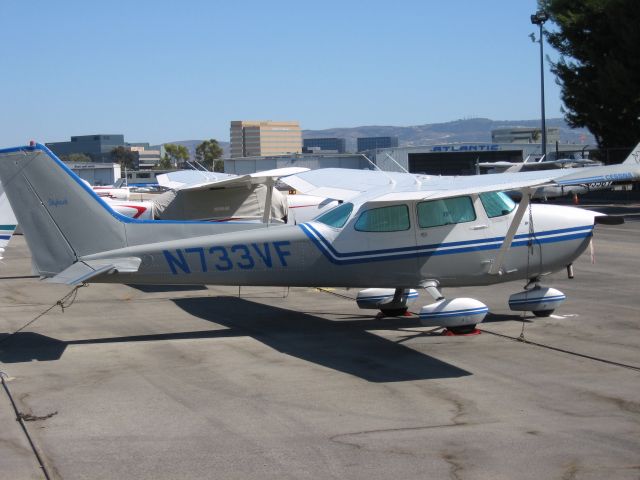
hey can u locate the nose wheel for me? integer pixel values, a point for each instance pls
(541, 301)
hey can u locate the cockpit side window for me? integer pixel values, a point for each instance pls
(336, 217)
(394, 218)
(497, 204)
(446, 211)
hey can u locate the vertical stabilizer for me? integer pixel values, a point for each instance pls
(61, 217)
(634, 156)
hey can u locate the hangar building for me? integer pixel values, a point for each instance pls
(461, 158)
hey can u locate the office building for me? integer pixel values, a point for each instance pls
(371, 143)
(97, 147)
(148, 157)
(264, 138)
(102, 173)
(323, 145)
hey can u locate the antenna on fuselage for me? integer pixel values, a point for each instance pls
(391, 180)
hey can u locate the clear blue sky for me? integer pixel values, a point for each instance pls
(160, 71)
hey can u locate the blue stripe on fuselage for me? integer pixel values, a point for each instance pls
(345, 258)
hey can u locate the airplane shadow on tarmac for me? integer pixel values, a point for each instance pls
(343, 345)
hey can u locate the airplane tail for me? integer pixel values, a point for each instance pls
(54, 208)
(634, 156)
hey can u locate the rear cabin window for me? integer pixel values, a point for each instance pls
(336, 217)
(497, 204)
(394, 218)
(447, 211)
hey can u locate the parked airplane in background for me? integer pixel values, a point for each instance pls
(121, 191)
(530, 164)
(213, 196)
(393, 232)
(201, 195)
(542, 163)
(8, 221)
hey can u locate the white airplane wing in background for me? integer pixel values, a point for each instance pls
(192, 180)
(344, 184)
(182, 178)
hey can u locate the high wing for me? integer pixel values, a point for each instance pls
(345, 184)
(194, 180)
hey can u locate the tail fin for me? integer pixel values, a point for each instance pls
(61, 217)
(634, 156)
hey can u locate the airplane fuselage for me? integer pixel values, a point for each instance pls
(316, 254)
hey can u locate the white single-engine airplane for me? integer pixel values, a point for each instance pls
(550, 191)
(8, 221)
(393, 232)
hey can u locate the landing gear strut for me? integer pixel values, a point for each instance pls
(396, 311)
(391, 302)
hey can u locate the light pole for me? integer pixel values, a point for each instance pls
(538, 19)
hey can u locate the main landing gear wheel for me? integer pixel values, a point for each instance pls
(542, 313)
(394, 312)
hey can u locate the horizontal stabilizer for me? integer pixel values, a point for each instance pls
(83, 271)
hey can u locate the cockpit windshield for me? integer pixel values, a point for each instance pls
(497, 204)
(336, 217)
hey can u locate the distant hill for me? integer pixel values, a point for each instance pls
(471, 130)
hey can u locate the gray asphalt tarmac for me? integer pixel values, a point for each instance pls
(189, 383)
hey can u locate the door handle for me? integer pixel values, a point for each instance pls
(479, 227)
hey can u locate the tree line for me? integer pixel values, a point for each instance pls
(208, 154)
(599, 66)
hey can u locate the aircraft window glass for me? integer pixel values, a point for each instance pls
(336, 217)
(497, 204)
(445, 212)
(394, 218)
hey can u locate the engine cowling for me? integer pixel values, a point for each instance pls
(536, 299)
(457, 312)
(382, 298)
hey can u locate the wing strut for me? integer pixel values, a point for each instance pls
(266, 215)
(496, 266)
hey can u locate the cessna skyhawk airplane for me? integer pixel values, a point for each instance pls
(550, 191)
(393, 232)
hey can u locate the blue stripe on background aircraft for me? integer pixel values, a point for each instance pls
(391, 232)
